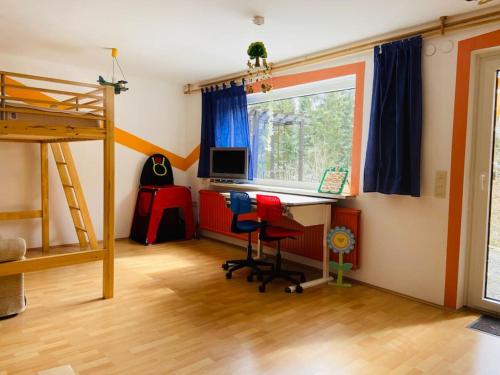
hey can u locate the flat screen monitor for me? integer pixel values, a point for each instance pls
(229, 163)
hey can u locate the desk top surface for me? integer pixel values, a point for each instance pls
(265, 189)
(289, 199)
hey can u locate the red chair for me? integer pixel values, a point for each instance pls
(270, 210)
(151, 222)
(159, 202)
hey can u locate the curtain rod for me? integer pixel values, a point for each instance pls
(427, 30)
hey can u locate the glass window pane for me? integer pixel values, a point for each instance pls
(493, 256)
(296, 139)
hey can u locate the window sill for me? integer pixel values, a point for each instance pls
(278, 189)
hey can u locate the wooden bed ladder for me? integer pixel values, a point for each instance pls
(74, 195)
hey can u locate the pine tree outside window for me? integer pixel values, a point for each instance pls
(297, 132)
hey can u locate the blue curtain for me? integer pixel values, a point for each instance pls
(207, 132)
(224, 123)
(392, 163)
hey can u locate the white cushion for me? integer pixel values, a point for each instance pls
(12, 299)
(12, 249)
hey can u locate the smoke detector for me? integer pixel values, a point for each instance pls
(258, 20)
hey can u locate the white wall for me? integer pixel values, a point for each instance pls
(153, 110)
(403, 239)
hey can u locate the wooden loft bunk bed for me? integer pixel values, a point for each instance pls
(54, 112)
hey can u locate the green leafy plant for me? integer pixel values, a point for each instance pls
(256, 50)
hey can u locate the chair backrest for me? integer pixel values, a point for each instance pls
(240, 202)
(269, 207)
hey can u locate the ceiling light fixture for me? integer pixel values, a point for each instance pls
(258, 20)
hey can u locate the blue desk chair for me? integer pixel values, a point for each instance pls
(241, 204)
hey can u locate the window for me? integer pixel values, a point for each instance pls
(297, 132)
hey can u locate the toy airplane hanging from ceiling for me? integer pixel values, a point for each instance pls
(120, 85)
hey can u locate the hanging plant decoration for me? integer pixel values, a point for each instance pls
(258, 68)
(257, 50)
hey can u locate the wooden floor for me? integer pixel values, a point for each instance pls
(175, 313)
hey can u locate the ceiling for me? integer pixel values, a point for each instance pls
(193, 40)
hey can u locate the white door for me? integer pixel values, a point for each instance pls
(484, 244)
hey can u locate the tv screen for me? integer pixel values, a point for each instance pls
(230, 162)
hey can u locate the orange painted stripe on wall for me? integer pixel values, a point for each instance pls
(192, 158)
(357, 127)
(121, 136)
(138, 144)
(312, 76)
(28, 94)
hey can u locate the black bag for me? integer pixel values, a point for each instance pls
(171, 226)
(157, 171)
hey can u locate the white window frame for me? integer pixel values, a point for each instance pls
(347, 82)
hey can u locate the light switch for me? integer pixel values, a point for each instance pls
(440, 184)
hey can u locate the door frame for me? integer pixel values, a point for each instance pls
(477, 221)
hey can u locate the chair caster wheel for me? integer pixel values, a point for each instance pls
(288, 290)
(262, 288)
(299, 289)
(229, 275)
(250, 278)
(225, 266)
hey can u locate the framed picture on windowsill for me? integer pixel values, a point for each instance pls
(333, 180)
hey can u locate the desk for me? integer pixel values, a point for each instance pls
(306, 211)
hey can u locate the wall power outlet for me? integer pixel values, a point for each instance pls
(440, 186)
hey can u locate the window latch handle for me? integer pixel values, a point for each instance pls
(482, 180)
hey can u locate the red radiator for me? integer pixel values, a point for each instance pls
(215, 217)
(349, 218)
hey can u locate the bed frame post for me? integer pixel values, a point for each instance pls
(44, 188)
(109, 194)
(2, 92)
